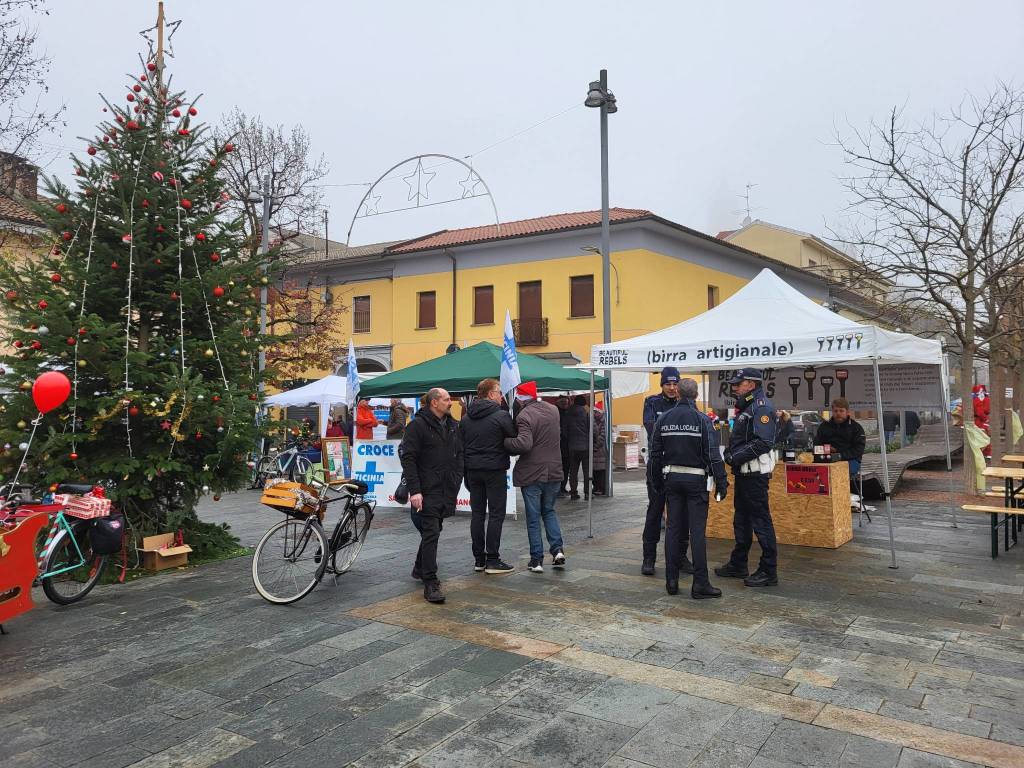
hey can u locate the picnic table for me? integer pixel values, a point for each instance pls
(1016, 458)
(1012, 510)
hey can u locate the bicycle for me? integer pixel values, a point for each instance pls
(288, 462)
(68, 567)
(293, 556)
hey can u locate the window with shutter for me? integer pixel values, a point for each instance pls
(581, 296)
(483, 305)
(361, 314)
(427, 315)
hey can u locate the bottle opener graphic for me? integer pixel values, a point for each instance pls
(842, 374)
(821, 343)
(794, 383)
(826, 383)
(810, 376)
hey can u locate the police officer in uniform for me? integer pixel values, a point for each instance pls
(752, 458)
(654, 407)
(685, 462)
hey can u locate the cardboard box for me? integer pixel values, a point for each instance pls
(159, 555)
(626, 455)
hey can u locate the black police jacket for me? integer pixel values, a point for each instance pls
(431, 454)
(483, 432)
(685, 437)
(654, 407)
(753, 429)
(846, 438)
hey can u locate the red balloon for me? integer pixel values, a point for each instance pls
(50, 391)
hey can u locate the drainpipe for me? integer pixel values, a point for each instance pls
(454, 302)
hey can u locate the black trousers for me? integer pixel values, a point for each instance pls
(579, 459)
(429, 525)
(565, 468)
(752, 517)
(652, 526)
(687, 497)
(600, 478)
(487, 498)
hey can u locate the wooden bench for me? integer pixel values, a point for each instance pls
(1009, 530)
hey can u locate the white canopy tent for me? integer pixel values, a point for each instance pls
(328, 391)
(769, 324)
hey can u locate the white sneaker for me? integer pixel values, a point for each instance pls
(537, 566)
(559, 560)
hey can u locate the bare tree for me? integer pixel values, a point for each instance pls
(23, 74)
(285, 154)
(941, 212)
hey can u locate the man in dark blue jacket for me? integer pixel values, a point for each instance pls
(484, 430)
(654, 407)
(685, 461)
(752, 458)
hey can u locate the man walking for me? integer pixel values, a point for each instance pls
(751, 456)
(483, 432)
(578, 434)
(685, 459)
(538, 472)
(431, 453)
(654, 407)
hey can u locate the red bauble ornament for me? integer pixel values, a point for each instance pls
(176, 112)
(218, 292)
(213, 162)
(113, 265)
(199, 435)
(157, 176)
(172, 181)
(216, 497)
(120, 118)
(137, 109)
(157, 262)
(201, 237)
(229, 147)
(193, 111)
(18, 344)
(126, 238)
(106, 139)
(11, 295)
(136, 87)
(145, 203)
(42, 304)
(66, 236)
(151, 67)
(186, 203)
(55, 277)
(133, 411)
(131, 125)
(216, 398)
(71, 341)
(73, 456)
(82, 331)
(160, 228)
(143, 78)
(91, 150)
(60, 208)
(130, 97)
(37, 344)
(183, 131)
(174, 295)
(214, 256)
(252, 397)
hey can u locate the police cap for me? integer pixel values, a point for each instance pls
(745, 374)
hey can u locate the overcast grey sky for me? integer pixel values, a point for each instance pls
(712, 95)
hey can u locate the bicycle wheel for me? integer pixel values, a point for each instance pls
(83, 572)
(289, 560)
(349, 537)
(263, 469)
(299, 469)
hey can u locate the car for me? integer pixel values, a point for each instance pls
(805, 427)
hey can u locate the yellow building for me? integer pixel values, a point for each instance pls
(410, 301)
(21, 231)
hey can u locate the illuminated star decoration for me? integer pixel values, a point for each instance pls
(206, 467)
(165, 424)
(149, 36)
(469, 184)
(372, 205)
(418, 181)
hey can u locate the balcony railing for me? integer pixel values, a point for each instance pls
(531, 331)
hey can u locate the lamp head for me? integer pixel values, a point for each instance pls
(595, 96)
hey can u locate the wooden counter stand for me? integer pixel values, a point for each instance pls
(808, 520)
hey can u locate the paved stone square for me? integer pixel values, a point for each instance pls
(846, 663)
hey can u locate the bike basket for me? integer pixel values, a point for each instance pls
(295, 499)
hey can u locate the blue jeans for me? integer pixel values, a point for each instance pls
(539, 500)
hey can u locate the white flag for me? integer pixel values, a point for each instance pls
(510, 377)
(353, 376)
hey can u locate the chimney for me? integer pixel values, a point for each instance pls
(18, 177)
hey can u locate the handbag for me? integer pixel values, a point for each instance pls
(402, 492)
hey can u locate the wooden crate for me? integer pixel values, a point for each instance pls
(805, 520)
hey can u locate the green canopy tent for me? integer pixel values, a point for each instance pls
(460, 372)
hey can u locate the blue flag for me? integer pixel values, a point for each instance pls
(510, 377)
(353, 375)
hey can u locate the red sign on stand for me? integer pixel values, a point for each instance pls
(808, 479)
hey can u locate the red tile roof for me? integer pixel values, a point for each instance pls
(12, 211)
(724, 234)
(509, 229)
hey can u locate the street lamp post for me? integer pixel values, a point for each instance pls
(599, 97)
(265, 198)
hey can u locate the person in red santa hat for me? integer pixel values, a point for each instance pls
(982, 407)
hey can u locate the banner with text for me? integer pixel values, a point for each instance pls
(812, 389)
(377, 464)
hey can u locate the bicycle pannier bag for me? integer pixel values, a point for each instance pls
(106, 534)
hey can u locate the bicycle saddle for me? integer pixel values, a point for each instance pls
(75, 488)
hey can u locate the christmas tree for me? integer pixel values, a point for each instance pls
(148, 301)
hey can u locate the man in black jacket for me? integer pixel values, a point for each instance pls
(432, 463)
(845, 436)
(483, 432)
(577, 431)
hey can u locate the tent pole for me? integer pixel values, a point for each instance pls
(590, 465)
(885, 462)
(945, 428)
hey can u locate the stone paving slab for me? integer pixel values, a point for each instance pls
(846, 663)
